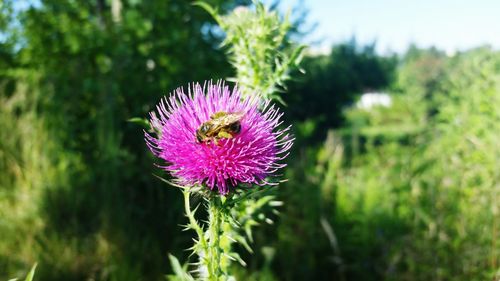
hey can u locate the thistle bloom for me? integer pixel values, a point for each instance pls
(251, 155)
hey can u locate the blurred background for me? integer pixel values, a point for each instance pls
(394, 174)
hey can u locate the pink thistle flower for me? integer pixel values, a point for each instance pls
(251, 155)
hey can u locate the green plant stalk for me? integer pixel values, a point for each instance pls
(192, 220)
(215, 219)
(200, 246)
(208, 243)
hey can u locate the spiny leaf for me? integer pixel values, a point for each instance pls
(236, 257)
(244, 242)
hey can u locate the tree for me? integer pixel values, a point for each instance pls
(97, 64)
(333, 81)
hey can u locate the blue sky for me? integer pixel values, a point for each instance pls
(447, 24)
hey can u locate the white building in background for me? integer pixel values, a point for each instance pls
(372, 99)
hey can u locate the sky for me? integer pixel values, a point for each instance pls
(394, 24)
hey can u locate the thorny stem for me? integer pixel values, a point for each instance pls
(193, 224)
(209, 249)
(214, 231)
(192, 221)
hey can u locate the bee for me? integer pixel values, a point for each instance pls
(222, 125)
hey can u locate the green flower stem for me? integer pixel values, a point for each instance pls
(214, 232)
(201, 244)
(208, 244)
(192, 221)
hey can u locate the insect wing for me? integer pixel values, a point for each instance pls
(232, 117)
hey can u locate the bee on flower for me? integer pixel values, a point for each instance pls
(214, 137)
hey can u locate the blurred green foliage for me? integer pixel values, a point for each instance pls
(77, 193)
(334, 80)
(407, 191)
(403, 192)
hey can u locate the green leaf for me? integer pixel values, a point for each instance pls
(140, 121)
(298, 55)
(179, 271)
(204, 5)
(236, 257)
(30, 275)
(243, 242)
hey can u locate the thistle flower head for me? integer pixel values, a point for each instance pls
(240, 144)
